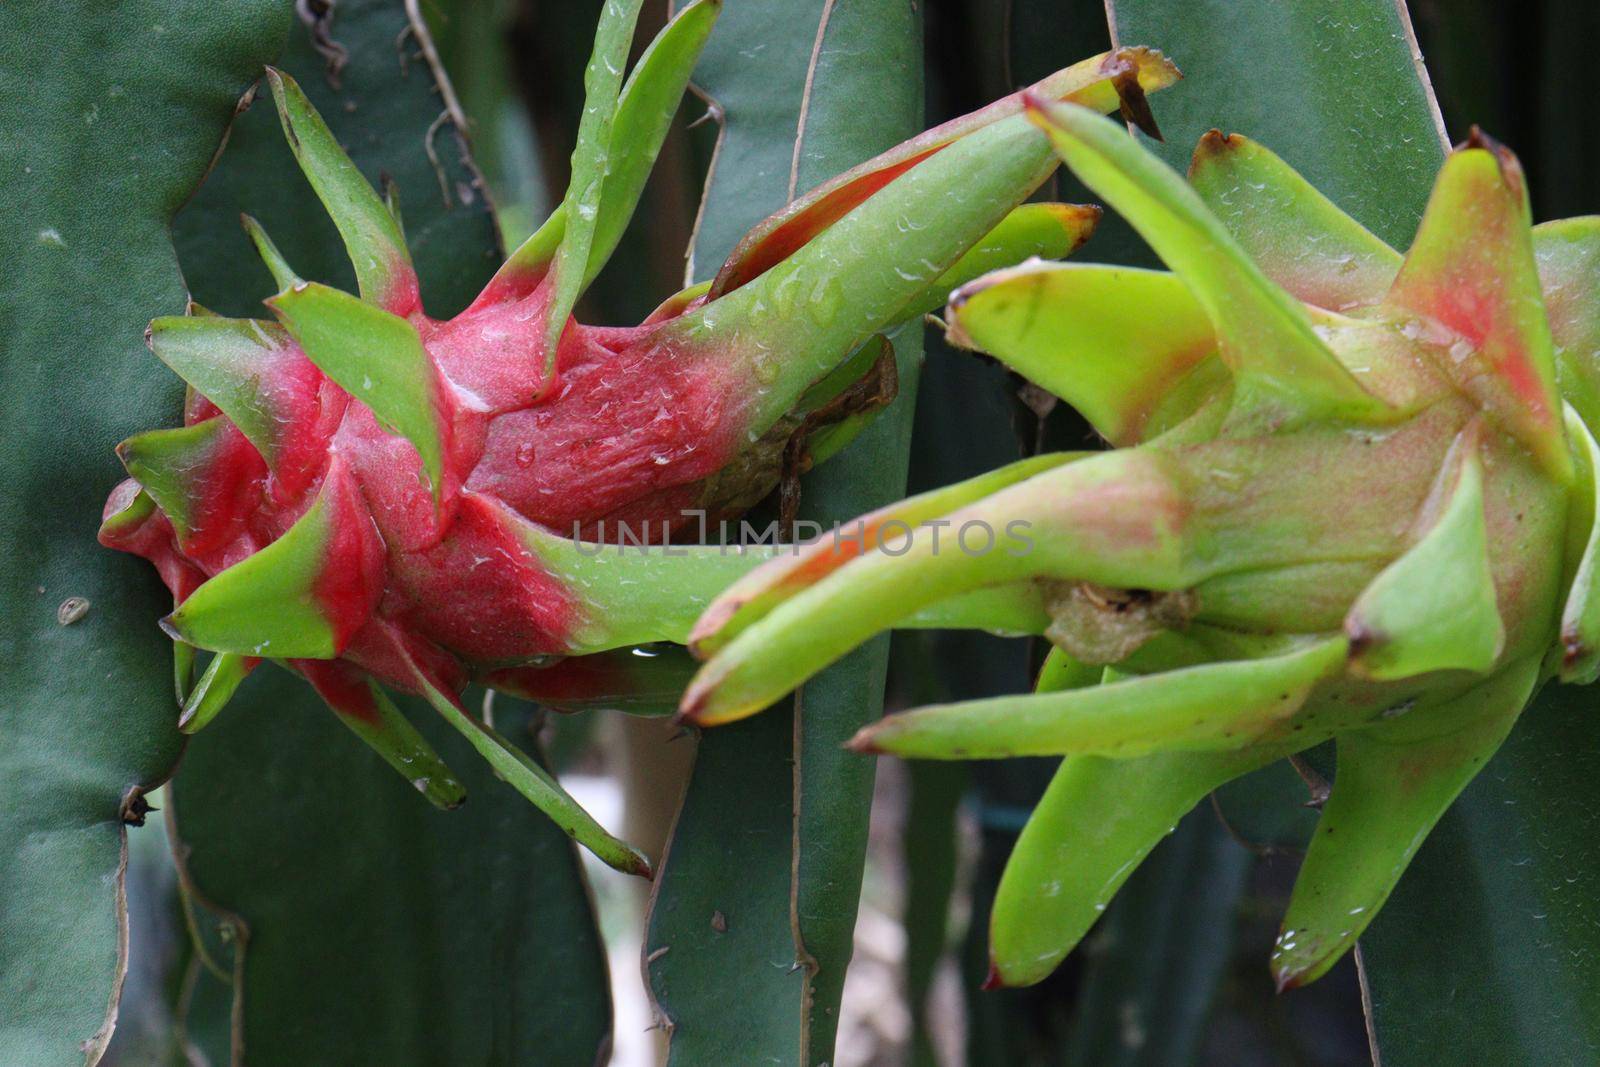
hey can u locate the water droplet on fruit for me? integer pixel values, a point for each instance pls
(826, 297)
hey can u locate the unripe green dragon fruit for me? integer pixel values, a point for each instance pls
(369, 494)
(1352, 496)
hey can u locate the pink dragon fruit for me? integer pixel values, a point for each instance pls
(370, 494)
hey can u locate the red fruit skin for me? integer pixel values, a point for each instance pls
(634, 428)
(342, 686)
(348, 588)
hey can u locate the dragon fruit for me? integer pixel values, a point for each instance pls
(1351, 497)
(370, 495)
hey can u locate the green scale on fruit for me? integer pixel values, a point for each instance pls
(1351, 496)
(374, 497)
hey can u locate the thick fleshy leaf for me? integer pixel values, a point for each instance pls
(1345, 101)
(371, 234)
(510, 924)
(1097, 821)
(363, 706)
(304, 595)
(1296, 235)
(377, 357)
(253, 371)
(799, 834)
(1119, 78)
(110, 115)
(1123, 346)
(649, 100)
(1264, 334)
(214, 689)
(1216, 706)
(591, 157)
(1471, 273)
(1044, 231)
(1409, 621)
(1484, 949)
(1568, 256)
(1394, 780)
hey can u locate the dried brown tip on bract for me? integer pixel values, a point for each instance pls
(1573, 648)
(1213, 143)
(1135, 107)
(955, 334)
(1362, 637)
(1288, 981)
(862, 743)
(134, 807)
(1510, 166)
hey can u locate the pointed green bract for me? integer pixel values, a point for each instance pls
(1121, 345)
(391, 201)
(222, 678)
(602, 82)
(378, 358)
(1390, 788)
(371, 235)
(172, 467)
(1471, 272)
(828, 298)
(1580, 617)
(1046, 231)
(282, 274)
(129, 509)
(645, 109)
(183, 657)
(1103, 82)
(1282, 367)
(232, 362)
(292, 599)
(361, 704)
(631, 594)
(1061, 671)
(1095, 823)
(1299, 238)
(539, 786)
(1216, 706)
(1135, 541)
(751, 598)
(1567, 252)
(1412, 620)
